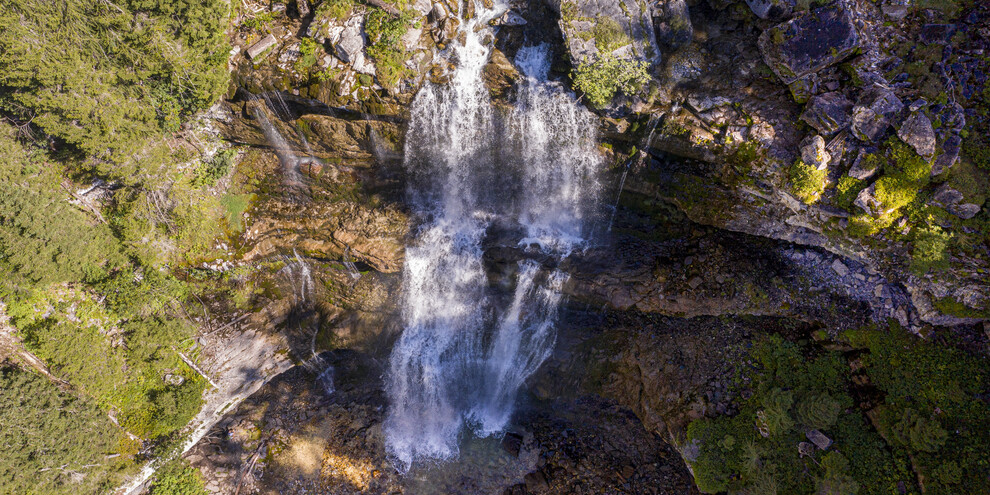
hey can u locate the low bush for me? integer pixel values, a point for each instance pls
(602, 79)
(807, 182)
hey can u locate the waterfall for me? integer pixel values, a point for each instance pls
(275, 104)
(466, 350)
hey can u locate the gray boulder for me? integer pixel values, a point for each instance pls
(877, 108)
(862, 168)
(949, 155)
(964, 211)
(261, 46)
(828, 113)
(867, 201)
(917, 131)
(771, 9)
(809, 42)
(589, 25)
(945, 195)
(813, 152)
(351, 44)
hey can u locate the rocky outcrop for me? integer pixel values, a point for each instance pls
(809, 42)
(598, 28)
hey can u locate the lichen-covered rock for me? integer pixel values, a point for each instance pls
(813, 152)
(351, 43)
(917, 131)
(672, 23)
(878, 107)
(964, 211)
(948, 155)
(828, 113)
(945, 195)
(809, 42)
(863, 169)
(597, 28)
(771, 9)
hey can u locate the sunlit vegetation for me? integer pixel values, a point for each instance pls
(928, 424)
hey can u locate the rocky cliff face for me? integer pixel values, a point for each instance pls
(796, 167)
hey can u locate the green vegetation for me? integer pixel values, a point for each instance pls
(96, 93)
(929, 419)
(602, 79)
(847, 189)
(334, 9)
(101, 77)
(930, 250)
(609, 35)
(53, 442)
(309, 50)
(177, 477)
(807, 182)
(385, 47)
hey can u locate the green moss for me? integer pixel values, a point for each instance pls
(894, 193)
(609, 35)
(846, 191)
(807, 182)
(950, 306)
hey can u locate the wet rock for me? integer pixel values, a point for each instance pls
(672, 24)
(813, 152)
(877, 109)
(261, 46)
(511, 443)
(917, 131)
(809, 42)
(536, 482)
(828, 113)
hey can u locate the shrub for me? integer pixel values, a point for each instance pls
(818, 411)
(309, 49)
(929, 250)
(894, 192)
(336, 9)
(384, 46)
(211, 171)
(847, 189)
(602, 79)
(807, 182)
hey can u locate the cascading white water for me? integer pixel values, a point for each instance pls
(465, 351)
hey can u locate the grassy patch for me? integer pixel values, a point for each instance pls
(235, 205)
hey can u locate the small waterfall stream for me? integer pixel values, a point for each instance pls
(466, 350)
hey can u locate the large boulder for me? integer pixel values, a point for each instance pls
(917, 131)
(813, 152)
(828, 113)
(672, 23)
(596, 28)
(878, 107)
(809, 42)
